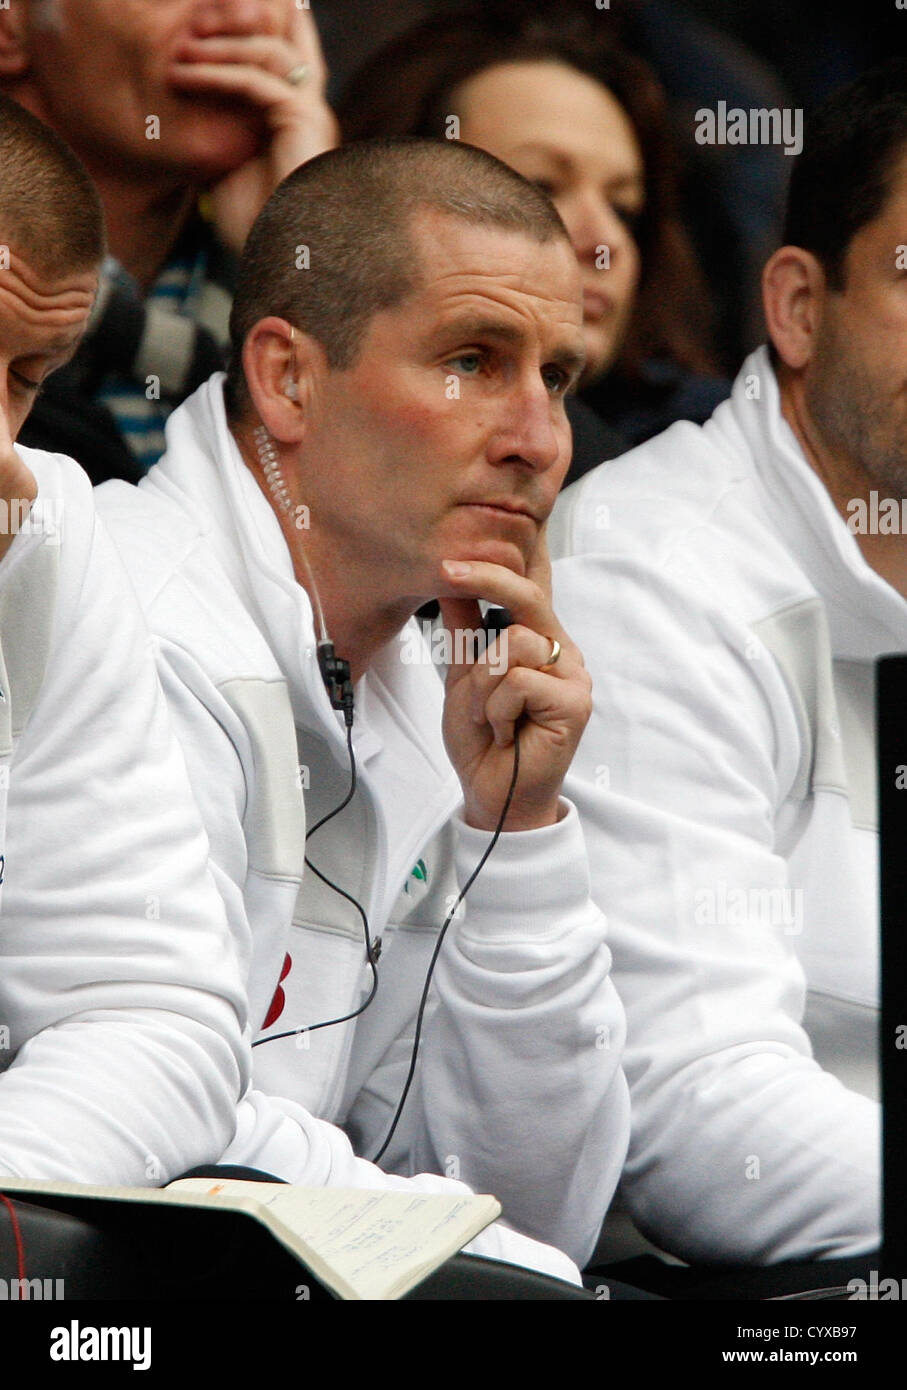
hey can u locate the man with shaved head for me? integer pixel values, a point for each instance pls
(406, 326)
(121, 1055)
(53, 239)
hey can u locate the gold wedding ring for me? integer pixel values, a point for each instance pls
(555, 653)
(301, 73)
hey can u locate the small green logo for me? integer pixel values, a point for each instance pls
(418, 872)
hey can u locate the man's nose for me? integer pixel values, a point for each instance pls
(528, 432)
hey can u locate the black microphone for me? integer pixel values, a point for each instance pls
(335, 672)
(497, 619)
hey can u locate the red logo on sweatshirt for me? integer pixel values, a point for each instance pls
(278, 1003)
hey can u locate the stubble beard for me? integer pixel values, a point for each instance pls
(858, 421)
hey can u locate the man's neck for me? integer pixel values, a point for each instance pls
(360, 615)
(144, 222)
(360, 618)
(846, 483)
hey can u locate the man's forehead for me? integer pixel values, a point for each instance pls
(43, 300)
(459, 261)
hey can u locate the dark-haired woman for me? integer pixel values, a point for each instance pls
(586, 122)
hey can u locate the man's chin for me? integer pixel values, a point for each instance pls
(496, 539)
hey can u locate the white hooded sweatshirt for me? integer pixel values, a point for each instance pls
(726, 784)
(121, 1008)
(519, 1089)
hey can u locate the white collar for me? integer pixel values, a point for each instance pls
(867, 615)
(203, 460)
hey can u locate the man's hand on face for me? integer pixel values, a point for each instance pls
(486, 700)
(253, 69)
(17, 485)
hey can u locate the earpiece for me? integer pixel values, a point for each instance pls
(267, 457)
(335, 672)
(290, 387)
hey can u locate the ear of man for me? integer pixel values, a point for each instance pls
(794, 290)
(282, 367)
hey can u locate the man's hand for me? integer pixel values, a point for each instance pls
(254, 69)
(17, 486)
(486, 700)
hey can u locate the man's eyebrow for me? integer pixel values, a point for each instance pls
(479, 326)
(63, 344)
(62, 347)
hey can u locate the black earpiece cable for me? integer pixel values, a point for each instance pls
(370, 952)
(441, 935)
(336, 676)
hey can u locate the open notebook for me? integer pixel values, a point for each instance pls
(361, 1244)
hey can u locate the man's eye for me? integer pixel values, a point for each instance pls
(468, 362)
(557, 380)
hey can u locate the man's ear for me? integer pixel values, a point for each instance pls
(794, 289)
(282, 367)
(14, 57)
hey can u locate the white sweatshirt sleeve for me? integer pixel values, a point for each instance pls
(521, 1079)
(743, 1148)
(280, 1137)
(118, 984)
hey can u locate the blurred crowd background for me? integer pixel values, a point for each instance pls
(596, 101)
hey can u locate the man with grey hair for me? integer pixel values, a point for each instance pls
(186, 115)
(406, 326)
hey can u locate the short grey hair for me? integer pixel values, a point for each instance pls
(352, 210)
